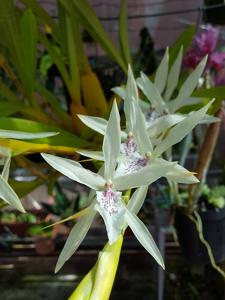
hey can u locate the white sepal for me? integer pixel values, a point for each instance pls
(9, 196)
(75, 238)
(143, 236)
(75, 171)
(111, 142)
(95, 123)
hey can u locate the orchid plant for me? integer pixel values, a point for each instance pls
(132, 159)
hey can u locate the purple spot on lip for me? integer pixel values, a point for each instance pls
(136, 164)
(129, 147)
(107, 200)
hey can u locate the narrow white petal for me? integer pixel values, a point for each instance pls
(98, 155)
(95, 123)
(137, 199)
(173, 76)
(120, 91)
(5, 171)
(7, 194)
(75, 238)
(144, 176)
(140, 132)
(111, 142)
(179, 131)
(180, 175)
(189, 85)
(75, 171)
(143, 236)
(151, 92)
(10, 134)
(162, 72)
(163, 123)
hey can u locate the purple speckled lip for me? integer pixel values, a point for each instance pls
(130, 146)
(107, 200)
(136, 164)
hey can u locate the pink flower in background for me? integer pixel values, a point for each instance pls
(205, 43)
(192, 58)
(216, 60)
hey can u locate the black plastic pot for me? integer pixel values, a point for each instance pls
(213, 230)
(214, 12)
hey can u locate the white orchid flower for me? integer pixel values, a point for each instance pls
(138, 152)
(109, 186)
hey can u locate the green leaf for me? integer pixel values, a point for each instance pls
(44, 17)
(28, 49)
(90, 22)
(75, 238)
(214, 92)
(173, 76)
(8, 195)
(184, 40)
(162, 72)
(75, 171)
(123, 32)
(179, 131)
(64, 138)
(111, 142)
(55, 105)
(73, 59)
(57, 58)
(143, 236)
(9, 33)
(188, 86)
(9, 108)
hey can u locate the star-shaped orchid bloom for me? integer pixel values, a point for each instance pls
(161, 111)
(108, 186)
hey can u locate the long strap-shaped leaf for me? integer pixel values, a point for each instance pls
(123, 32)
(90, 21)
(28, 50)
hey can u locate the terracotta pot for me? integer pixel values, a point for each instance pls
(44, 246)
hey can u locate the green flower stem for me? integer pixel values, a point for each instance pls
(97, 284)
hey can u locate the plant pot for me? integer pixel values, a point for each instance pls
(19, 229)
(213, 230)
(44, 245)
(214, 15)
